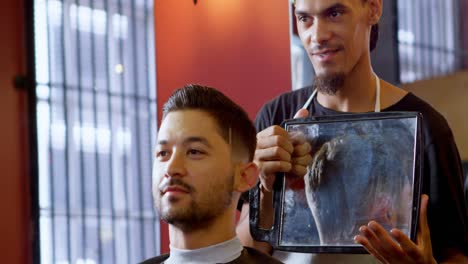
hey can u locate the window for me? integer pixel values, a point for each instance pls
(429, 38)
(96, 123)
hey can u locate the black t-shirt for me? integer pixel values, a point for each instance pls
(443, 173)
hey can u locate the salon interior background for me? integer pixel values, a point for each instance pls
(76, 141)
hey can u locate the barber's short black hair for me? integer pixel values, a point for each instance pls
(233, 122)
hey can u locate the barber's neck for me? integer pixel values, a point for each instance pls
(358, 93)
(219, 230)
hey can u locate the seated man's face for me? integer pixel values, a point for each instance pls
(193, 171)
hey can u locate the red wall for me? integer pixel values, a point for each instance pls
(240, 47)
(14, 196)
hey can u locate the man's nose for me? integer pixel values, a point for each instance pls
(320, 32)
(175, 166)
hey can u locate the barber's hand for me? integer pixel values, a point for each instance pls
(279, 151)
(301, 156)
(379, 242)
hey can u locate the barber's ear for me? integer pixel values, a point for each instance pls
(246, 177)
(375, 11)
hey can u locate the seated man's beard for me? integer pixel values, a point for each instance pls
(329, 84)
(201, 213)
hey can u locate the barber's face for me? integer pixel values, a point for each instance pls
(192, 170)
(335, 33)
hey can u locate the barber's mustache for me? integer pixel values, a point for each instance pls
(319, 48)
(175, 182)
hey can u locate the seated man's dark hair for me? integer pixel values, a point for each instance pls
(233, 122)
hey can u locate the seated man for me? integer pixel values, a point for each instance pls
(203, 163)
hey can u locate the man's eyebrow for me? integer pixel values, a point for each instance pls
(300, 13)
(337, 6)
(202, 140)
(188, 140)
(162, 142)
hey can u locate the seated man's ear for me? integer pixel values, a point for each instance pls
(246, 176)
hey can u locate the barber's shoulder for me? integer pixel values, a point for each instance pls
(299, 96)
(280, 108)
(431, 115)
(290, 96)
(435, 125)
(287, 101)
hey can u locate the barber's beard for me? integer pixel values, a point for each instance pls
(203, 208)
(329, 84)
